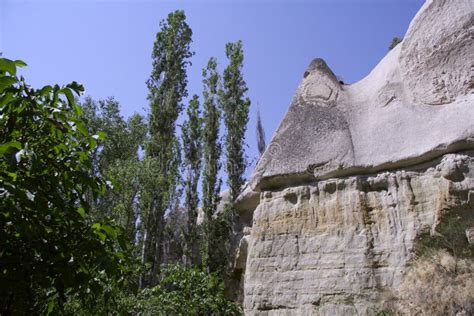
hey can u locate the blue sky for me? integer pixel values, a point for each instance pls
(106, 45)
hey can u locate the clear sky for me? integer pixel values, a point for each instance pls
(106, 45)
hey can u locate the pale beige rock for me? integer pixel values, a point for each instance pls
(356, 172)
(415, 105)
(332, 247)
(437, 60)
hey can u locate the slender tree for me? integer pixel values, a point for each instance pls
(167, 87)
(260, 135)
(211, 184)
(235, 107)
(192, 148)
(236, 115)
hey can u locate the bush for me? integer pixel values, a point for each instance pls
(440, 280)
(438, 285)
(450, 235)
(184, 291)
(395, 42)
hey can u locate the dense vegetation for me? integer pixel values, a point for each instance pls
(98, 213)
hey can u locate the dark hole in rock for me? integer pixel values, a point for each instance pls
(291, 197)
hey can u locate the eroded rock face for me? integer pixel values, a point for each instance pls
(356, 172)
(334, 246)
(417, 104)
(437, 60)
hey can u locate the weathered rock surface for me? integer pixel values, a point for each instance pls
(332, 247)
(415, 105)
(470, 235)
(356, 172)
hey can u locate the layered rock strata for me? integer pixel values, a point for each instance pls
(333, 247)
(355, 173)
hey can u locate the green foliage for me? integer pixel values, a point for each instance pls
(122, 138)
(211, 184)
(65, 231)
(185, 291)
(450, 235)
(220, 229)
(192, 148)
(122, 196)
(395, 41)
(168, 80)
(119, 296)
(116, 158)
(236, 115)
(174, 242)
(50, 245)
(235, 108)
(167, 87)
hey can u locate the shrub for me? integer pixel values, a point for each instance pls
(450, 235)
(395, 41)
(440, 280)
(185, 291)
(438, 285)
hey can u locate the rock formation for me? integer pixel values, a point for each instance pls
(356, 172)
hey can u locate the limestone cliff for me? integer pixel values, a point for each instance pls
(355, 173)
(333, 247)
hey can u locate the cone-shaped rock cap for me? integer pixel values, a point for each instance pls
(319, 65)
(305, 138)
(417, 104)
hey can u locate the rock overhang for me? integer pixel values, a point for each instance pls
(415, 105)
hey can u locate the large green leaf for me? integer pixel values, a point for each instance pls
(6, 98)
(5, 147)
(8, 65)
(20, 63)
(102, 135)
(5, 82)
(50, 308)
(70, 98)
(81, 127)
(78, 88)
(81, 211)
(111, 231)
(45, 90)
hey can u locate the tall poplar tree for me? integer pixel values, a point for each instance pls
(236, 115)
(211, 184)
(260, 135)
(192, 148)
(167, 87)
